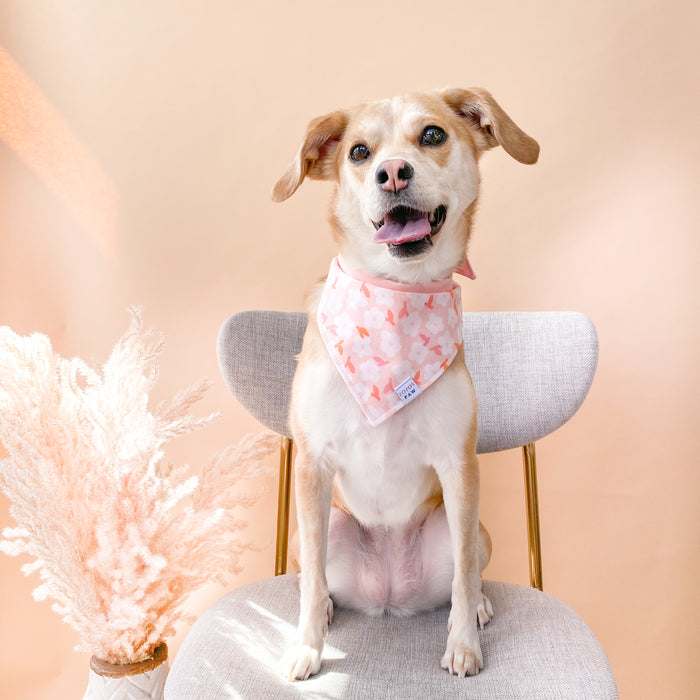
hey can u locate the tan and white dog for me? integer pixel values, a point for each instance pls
(388, 513)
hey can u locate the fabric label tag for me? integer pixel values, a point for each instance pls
(407, 390)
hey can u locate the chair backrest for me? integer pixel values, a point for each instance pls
(531, 370)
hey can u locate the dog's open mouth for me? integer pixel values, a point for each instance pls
(408, 232)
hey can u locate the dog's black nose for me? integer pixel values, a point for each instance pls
(393, 175)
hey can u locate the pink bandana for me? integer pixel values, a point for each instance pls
(389, 341)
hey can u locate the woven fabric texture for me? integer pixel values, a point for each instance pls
(531, 370)
(535, 647)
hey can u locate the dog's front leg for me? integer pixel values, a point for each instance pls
(313, 484)
(460, 484)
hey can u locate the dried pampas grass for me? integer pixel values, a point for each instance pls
(119, 540)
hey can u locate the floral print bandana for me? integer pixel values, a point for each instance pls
(389, 341)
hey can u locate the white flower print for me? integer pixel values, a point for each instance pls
(369, 371)
(363, 391)
(434, 323)
(345, 325)
(384, 297)
(446, 342)
(411, 324)
(334, 303)
(418, 353)
(356, 299)
(443, 299)
(418, 301)
(374, 318)
(390, 344)
(362, 347)
(401, 371)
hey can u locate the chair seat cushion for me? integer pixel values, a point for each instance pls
(535, 647)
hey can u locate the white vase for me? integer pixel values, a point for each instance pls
(144, 680)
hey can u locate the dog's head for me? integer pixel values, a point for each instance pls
(407, 178)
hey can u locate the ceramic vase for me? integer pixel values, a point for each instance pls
(143, 680)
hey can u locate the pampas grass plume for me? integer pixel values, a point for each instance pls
(119, 539)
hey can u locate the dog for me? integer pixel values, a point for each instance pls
(386, 473)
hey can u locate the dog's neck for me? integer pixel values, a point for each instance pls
(430, 287)
(420, 274)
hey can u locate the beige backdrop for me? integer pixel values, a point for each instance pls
(138, 147)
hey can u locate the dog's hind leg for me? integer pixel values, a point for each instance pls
(353, 581)
(378, 569)
(365, 568)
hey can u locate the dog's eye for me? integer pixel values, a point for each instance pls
(359, 152)
(433, 136)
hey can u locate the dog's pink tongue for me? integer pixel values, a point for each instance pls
(396, 233)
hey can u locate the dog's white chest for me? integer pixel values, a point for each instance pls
(383, 472)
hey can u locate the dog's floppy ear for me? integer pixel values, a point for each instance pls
(314, 158)
(492, 125)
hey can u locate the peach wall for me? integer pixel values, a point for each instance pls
(187, 116)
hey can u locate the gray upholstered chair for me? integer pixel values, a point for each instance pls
(531, 373)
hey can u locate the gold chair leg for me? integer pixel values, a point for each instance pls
(283, 506)
(533, 516)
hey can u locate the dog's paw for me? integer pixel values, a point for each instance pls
(303, 659)
(461, 658)
(484, 611)
(300, 662)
